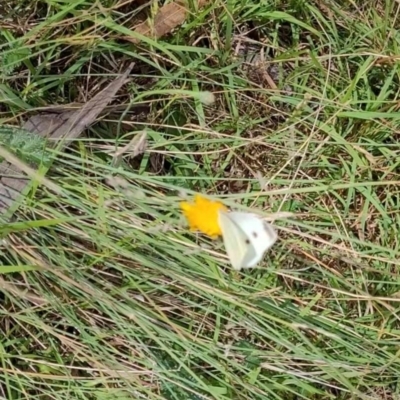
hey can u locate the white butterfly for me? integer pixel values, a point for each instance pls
(246, 237)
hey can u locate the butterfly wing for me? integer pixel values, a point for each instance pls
(259, 233)
(237, 245)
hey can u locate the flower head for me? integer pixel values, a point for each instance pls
(202, 215)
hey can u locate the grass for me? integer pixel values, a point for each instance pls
(105, 293)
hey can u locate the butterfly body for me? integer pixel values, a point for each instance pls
(246, 238)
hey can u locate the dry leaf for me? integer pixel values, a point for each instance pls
(168, 17)
(83, 118)
(64, 127)
(135, 147)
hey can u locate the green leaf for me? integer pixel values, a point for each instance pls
(29, 146)
(9, 269)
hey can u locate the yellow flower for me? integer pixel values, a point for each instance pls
(202, 215)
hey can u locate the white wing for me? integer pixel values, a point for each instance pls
(261, 235)
(237, 245)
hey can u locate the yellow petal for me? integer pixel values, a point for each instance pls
(202, 215)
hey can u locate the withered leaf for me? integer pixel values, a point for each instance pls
(168, 18)
(62, 128)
